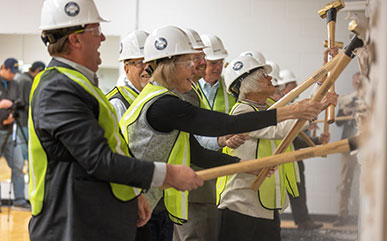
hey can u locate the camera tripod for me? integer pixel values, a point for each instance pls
(13, 134)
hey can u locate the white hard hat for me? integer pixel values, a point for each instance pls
(57, 14)
(275, 72)
(256, 55)
(195, 39)
(240, 67)
(132, 46)
(215, 50)
(287, 76)
(166, 42)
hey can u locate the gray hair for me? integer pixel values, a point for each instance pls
(249, 83)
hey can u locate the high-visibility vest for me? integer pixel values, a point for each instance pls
(272, 192)
(223, 101)
(199, 94)
(126, 94)
(176, 202)
(38, 157)
(291, 173)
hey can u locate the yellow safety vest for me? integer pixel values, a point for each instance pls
(128, 94)
(292, 173)
(272, 192)
(199, 94)
(223, 101)
(108, 121)
(176, 202)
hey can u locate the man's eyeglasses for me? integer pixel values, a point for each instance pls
(216, 62)
(138, 63)
(186, 63)
(199, 58)
(96, 31)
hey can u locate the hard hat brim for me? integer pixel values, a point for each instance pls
(53, 27)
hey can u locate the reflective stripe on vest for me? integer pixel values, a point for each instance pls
(272, 192)
(108, 121)
(199, 95)
(223, 101)
(292, 169)
(126, 92)
(176, 202)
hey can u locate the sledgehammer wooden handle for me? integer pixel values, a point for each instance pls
(293, 94)
(345, 145)
(334, 74)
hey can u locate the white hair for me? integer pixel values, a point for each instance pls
(249, 83)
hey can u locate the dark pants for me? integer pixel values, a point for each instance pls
(144, 233)
(161, 226)
(349, 164)
(300, 211)
(236, 226)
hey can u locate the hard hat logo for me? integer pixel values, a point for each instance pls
(72, 9)
(237, 66)
(161, 43)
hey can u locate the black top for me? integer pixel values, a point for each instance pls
(169, 113)
(25, 83)
(8, 90)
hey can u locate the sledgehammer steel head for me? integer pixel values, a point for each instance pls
(338, 4)
(340, 45)
(354, 44)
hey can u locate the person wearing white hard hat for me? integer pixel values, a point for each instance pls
(132, 55)
(82, 176)
(241, 207)
(160, 124)
(288, 80)
(122, 95)
(300, 212)
(255, 54)
(212, 84)
(203, 213)
(276, 82)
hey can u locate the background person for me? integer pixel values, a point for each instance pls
(132, 55)
(300, 212)
(212, 85)
(203, 213)
(9, 91)
(24, 81)
(347, 107)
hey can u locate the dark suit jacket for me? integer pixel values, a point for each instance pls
(78, 203)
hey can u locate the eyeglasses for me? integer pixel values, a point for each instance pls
(198, 58)
(186, 63)
(96, 31)
(216, 62)
(138, 63)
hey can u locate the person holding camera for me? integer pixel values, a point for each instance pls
(24, 81)
(9, 93)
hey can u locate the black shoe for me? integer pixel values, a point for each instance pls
(309, 225)
(21, 204)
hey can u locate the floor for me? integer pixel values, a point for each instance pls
(14, 228)
(328, 232)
